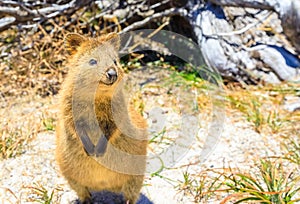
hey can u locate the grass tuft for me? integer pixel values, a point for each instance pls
(272, 184)
(41, 194)
(291, 146)
(263, 106)
(202, 186)
(12, 141)
(48, 123)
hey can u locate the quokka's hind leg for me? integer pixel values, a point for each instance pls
(131, 189)
(82, 192)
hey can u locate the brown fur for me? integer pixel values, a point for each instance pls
(85, 173)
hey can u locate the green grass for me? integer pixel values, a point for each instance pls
(22, 122)
(262, 106)
(272, 184)
(48, 123)
(250, 106)
(291, 147)
(42, 195)
(12, 141)
(186, 79)
(158, 137)
(201, 186)
(275, 121)
(269, 182)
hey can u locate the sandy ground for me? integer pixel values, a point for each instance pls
(238, 145)
(210, 139)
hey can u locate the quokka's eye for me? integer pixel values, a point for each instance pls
(115, 62)
(93, 62)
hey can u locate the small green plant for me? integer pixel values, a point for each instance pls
(187, 184)
(201, 186)
(274, 121)
(292, 148)
(250, 106)
(42, 195)
(11, 143)
(261, 117)
(272, 185)
(185, 79)
(254, 115)
(158, 173)
(206, 187)
(158, 137)
(48, 123)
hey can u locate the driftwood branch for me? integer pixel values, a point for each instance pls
(242, 30)
(288, 10)
(169, 13)
(257, 4)
(14, 13)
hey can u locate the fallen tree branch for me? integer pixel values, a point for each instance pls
(170, 12)
(288, 11)
(25, 13)
(257, 4)
(242, 30)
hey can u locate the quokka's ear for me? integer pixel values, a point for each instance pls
(114, 39)
(73, 41)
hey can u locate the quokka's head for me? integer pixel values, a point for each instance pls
(94, 60)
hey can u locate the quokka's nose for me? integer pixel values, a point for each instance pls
(111, 73)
